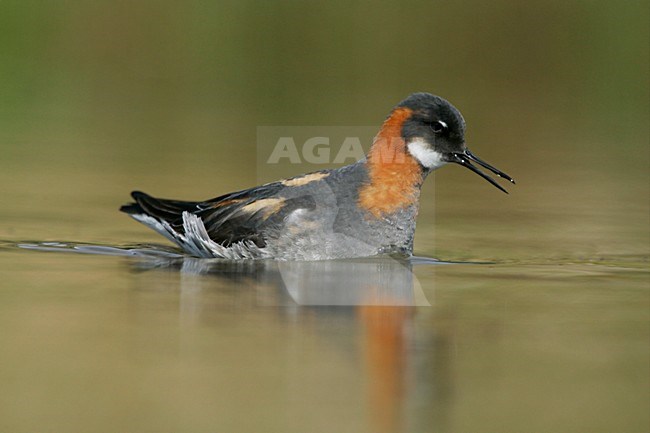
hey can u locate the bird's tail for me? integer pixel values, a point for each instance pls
(170, 211)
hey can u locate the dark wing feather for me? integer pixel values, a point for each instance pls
(235, 222)
(230, 218)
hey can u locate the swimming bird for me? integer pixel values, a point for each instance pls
(364, 209)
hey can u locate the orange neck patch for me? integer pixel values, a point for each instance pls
(395, 176)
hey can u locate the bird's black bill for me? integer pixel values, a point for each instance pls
(464, 158)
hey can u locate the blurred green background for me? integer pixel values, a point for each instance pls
(101, 97)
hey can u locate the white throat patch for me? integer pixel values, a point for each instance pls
(425, 155)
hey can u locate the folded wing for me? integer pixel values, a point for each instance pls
(243, 216)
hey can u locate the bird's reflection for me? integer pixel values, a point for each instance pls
(384, 281)
(382, 292)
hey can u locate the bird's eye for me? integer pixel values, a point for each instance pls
(438, 126)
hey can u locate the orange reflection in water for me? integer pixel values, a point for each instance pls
(386, 361)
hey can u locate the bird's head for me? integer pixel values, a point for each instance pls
(429, 130)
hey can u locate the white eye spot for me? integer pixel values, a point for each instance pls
(444, 125)
(425, 155)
